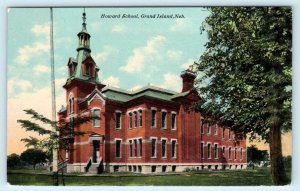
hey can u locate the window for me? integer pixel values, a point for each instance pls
(163, 119)
(153, 148)
(135, 119)
(118, 120)
(118, 148)
(208, 151)
(173, 142)
(229, 134)
(208, 127)
(140, 118)
(223, 132)
(216, 151)
(202, 150)
(71, 69)
(130, 148)
(88, 71)
(223, 152)
(173, 121)
(96, 118)
(135, 147)
(71, 105)
(202, 126)
(163, 148)
(141, 147)
(229, 153)
(241, 153)
(130, 120)
(153, 118)
(235, 153)
(216, 128)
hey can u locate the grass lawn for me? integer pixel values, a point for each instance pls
(201, 178)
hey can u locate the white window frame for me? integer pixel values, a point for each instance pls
(166, 153)
(235, 151)
(216, 152)
(93, 110)
(216, 128)
(175, 152)
(155, 117)
(208, 153)
(202, 125)
(155, 146)
(229, 153)
(71, 100)
(208, 127)
(175, 120)
(118, 111)
(223, 154)
(140, 117)
(130, 120)
(164, 111)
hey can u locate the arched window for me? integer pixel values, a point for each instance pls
(71, 104)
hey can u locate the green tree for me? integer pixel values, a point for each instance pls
(34, 157)
(53, 138)
(245, 74)
(255, 155)
(13, 160)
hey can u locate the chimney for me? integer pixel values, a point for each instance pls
(188, 77)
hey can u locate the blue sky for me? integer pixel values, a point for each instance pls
(130, 53)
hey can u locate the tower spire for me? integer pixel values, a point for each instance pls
(84, 19)
(84, 38)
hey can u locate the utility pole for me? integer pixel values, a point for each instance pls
(54, 160)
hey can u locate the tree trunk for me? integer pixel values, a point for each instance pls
(277, 167)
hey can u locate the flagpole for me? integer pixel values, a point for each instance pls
(54, 161)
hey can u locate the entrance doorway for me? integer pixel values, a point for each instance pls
(95, 151)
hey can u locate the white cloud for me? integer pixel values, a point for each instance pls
(40, 68)
(172, 82)
(112, 81)
(118, 28)
(43, 29)
(135, 87)
(180, 24)
(102, 56)
(174, 55)
(27, 52)
(22, 84)
(187, 64)
(140, 55)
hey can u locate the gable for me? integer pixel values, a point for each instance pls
(96, 96)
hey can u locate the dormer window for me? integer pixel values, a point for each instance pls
(71, 69)
(88, 69)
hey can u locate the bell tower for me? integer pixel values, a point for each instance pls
(83, 69)
(84, 39)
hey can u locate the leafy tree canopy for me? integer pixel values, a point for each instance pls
(246, 70)
(246, 74)
(13, 160)
(34, 157)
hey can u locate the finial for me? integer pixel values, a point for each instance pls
(84, 19)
